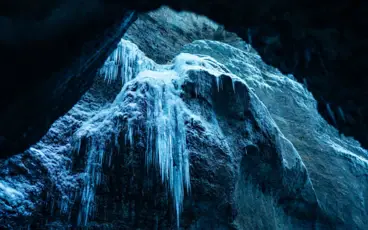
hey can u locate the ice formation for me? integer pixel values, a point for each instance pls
(341, 113)
(93, 175)
(166, 135)
(331, 113)
(161, 116)
(149, 109)
(150, 112)
(126, 62)
(163, 122)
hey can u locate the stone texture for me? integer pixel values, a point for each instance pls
(167, 31)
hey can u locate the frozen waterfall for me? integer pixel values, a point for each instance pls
(160, 122)
(166, 136)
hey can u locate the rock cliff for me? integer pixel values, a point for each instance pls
(215, 139)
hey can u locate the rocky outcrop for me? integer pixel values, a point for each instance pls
(324, 151)
(162, 33)
(206, 142)
(319, 41)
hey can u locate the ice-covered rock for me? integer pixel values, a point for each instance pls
(214, 140)
(156, 110)
(336, 164)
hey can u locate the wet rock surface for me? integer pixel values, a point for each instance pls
(257, 152)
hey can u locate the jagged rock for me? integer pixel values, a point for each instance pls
(167, 31)
(108, 164)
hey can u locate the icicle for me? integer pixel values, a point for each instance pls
(341, 113)
(305, 83)
(165, 149)
(233, 83)
(166, 133)
(64, 204)
(96, 149)
(330, 112)
(249, 36)
(78, 144)
(129, 135)
(110, 157)
(117, 144)
(125, 62)
(218, 83)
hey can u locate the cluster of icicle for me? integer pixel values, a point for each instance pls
(164, 124)
(93, 176)
(166, 137)
(125, 62)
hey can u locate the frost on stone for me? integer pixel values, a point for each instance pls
(16, 192)
(186, 62)
(294, 110)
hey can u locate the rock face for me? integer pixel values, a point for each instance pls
(214, 140)
(323, 150)
(320, 42)
(167, 31)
